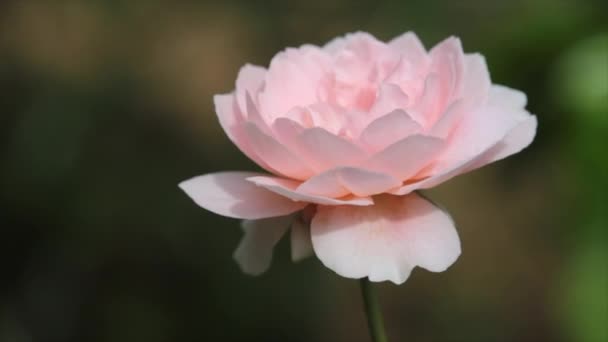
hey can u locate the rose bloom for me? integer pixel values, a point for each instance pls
(347, 133)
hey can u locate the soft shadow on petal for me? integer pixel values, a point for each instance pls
(230, 194)
(301, 244)
(288, 188)
(385, 241)
(254, 252)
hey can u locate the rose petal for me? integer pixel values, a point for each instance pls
(230, 118)
(477, 132)
(276, 155)
(324, 150)
(476, 82)
(249, 81)
(301, 244)
(390, 97)
(411, 48)
(406, 157)
(430, 102)
(448, 62)
(230, 194)
(288, 84)
(254, 116)
(388, 129)
(502, 96)
(516, 140)
(385, 241)
(287, 188)
(254, 252)
(346, 180)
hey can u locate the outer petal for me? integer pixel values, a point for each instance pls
(342, 181)
(249, 80)
(292, 80)
(411, 48)
(385, 241)
(231, 119)
(287, 188)
(516, 140)
(276, 155)
(481, 130)
(254, 253)
(230, 194)
(475, 91)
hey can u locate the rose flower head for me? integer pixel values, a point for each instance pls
(347, 133)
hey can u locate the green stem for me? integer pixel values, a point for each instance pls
(372, 310)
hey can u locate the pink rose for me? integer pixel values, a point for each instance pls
(347, 133)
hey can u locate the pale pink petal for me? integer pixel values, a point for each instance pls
(430, 103)
(503, 96)
(520, 137)
(385, 241)
(286, 87)
(230, 194)
(474, 94)
(286, 131)
(516, 140)
(287, 188)
(409, 46)
(254, 252)
(388, 129)
(249, 81)
(448, 121)
(230, 118)
(477, 132)
(390, 97)
(276, 155)
(301, 244)
(227, 113)
(326, 184)
(448, 62)
(345, 180)
(445, 80)
(324, 150)
(255, 117)
(406, 157)
(476, 82)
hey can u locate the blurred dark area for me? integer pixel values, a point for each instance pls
(106, 105)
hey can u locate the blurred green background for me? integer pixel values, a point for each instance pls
(106, 105)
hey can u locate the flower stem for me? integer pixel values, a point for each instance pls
(372, 310)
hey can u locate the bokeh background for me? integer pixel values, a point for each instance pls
(106, 105)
